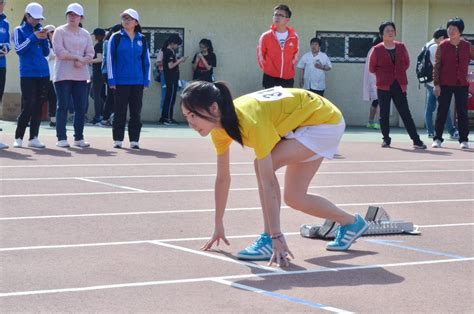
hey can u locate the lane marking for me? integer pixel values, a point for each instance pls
(97, 244)
(395, 243)
(281, 296)
(113, 185)
(232, 277)
(135, 190)
(235, 174)
(189, 211)
(232, 163)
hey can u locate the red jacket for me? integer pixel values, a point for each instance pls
(448, 70)
(385, 71)
(274, 60)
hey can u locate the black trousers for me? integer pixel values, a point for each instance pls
(170, 99)
(444, 100)
(34, 92)
(52, 100)
(128, 96)
(270, 81)
(97, 85)
(319, 92)
(109, 100)
(401, 103)
(3, 77)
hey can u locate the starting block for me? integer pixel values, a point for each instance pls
(379, 224)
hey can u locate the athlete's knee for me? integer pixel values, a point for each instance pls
(292, 198)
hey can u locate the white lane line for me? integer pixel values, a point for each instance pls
(235, 174)
(188, 211)
(219, 257)
(68, 246)
(134, 190)
(233, 163)
(232, 277)
(113, 185)
(281, 296)
(448, 225)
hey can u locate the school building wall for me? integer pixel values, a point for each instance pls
(235, 27)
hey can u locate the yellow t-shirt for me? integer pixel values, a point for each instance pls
(266, 116)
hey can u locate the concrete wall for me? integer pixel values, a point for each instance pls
(235, 26)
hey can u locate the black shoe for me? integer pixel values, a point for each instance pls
(419, 145)
(52, 124)
(385, 144)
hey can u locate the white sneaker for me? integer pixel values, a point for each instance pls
(18, 143)
(3, 146)
(436, 144)
(464, 145)
(81, 143)
(118, 144)
(35, 143)
(455, 135)
(62, 143)
(134, 145)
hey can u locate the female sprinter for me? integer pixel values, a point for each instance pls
(285, 127)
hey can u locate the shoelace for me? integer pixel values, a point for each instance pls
(341, 230)
(258, 243)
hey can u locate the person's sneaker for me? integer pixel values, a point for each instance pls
(35, 143)
(376, 126)
(455, 135)
(260, 250)
(419, 145)
(464, 145)
(369, 125)
(385, 144)
(436, 144)
(105, 123)
(118, 144)
(347, 234)
(430, 135)
(134, 145)
(18, 143)
(62, 143)
(3, 146)
(81, 143)
(52, 124)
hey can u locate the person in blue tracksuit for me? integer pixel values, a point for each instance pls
(31, 45)
(4, 49)
(128, 69)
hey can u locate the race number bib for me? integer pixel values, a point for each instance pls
(271, 94)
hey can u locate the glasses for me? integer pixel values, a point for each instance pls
(280, 15)
(127, 18)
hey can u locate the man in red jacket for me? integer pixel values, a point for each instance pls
(277, 50)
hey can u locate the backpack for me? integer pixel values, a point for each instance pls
(118, 38)
(424, 67)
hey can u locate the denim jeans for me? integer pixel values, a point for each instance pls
(79, 92)
(431, 104)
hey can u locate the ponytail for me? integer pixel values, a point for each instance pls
(200, 95)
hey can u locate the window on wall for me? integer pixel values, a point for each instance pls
(348, 47)
(156, 36)
(470, 38)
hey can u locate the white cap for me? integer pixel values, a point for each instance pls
(35, 10)
(75, 8)
(132, 13)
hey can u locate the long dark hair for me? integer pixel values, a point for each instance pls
(208, 43)
(199, 96)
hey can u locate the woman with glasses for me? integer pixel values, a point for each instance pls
(204, 62)
(74, 51)
(31, 45)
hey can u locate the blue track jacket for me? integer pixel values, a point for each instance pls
(32, 51)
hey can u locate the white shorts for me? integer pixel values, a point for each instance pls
(322, 139)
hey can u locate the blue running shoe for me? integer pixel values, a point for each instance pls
(347, 234)
(260, 250)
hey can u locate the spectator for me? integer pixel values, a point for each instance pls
(314, 65)
(450, 77)
(51, 93)
(74, 51)
(129, 74)
(4, 49)
(438, 36)
(171, 71)
(204, 62)
(97, 79)
(369, 89)
(389, 62)
(31, 45)
(277, 50)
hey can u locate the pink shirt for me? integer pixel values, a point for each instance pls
(66, 43)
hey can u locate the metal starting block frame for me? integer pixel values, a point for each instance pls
(379, 224)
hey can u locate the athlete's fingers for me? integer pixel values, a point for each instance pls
(226, 241)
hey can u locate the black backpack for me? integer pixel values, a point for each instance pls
(424, 67)
(118, 37)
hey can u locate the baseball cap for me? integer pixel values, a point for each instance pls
(75, 8)
(132, 13)
(99, 32)
(35, 10)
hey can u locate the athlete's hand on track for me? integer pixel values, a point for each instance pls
(281, 252)
(219, 234)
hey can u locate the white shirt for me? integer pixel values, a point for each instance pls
(282, 38)
(314, 78)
